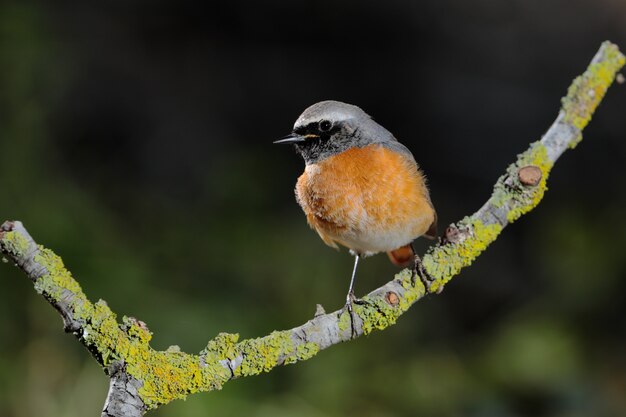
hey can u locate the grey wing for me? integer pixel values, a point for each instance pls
(396, 146)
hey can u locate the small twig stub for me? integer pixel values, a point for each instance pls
(392, 298)
(143, 378)
(529, 175)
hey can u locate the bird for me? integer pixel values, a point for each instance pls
(361, 188)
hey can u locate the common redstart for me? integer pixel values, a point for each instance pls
(361, 188)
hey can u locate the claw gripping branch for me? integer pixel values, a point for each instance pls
(142, 378)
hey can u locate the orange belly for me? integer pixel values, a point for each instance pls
(368, 199)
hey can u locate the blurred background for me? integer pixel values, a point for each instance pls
(136, 141)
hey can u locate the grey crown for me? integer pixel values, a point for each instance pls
(351, 127)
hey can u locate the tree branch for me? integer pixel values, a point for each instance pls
(143, 378)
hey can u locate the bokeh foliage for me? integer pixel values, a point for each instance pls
(136, 142)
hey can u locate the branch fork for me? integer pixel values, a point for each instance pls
(142, 378)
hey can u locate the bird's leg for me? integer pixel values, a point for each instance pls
(418, 269)
(350, 298)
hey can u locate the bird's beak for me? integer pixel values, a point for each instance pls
(291, 138)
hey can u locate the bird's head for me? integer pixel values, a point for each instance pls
(330, 127)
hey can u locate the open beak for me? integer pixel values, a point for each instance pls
(291, 138)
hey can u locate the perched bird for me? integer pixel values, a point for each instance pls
(361, 188)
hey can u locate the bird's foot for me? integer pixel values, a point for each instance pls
(350, 300)
(425, 277)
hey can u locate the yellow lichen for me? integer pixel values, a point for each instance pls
(377, 314)
(303, 352)
(344, 322)
(525, 198)
(445, 261)
(14, 243)
(263, 354)
(412, 292)
(516, 197)
(172, 374)
(222, 347)
(136, 329)
(165, 375)
(57, 278)
(168, 375)
(587, 90)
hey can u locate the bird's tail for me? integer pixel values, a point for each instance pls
(402, 257)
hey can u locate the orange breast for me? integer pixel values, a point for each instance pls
(368, 199)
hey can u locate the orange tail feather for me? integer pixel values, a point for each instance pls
(402, 257)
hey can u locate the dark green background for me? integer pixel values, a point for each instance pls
(136, 142)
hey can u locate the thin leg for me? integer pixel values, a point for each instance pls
(350, 296)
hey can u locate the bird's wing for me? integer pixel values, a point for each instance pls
(396, 146)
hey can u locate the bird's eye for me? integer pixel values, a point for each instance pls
(325, 125)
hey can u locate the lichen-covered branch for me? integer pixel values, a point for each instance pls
(143, 378)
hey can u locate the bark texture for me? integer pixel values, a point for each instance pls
(142, 378)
